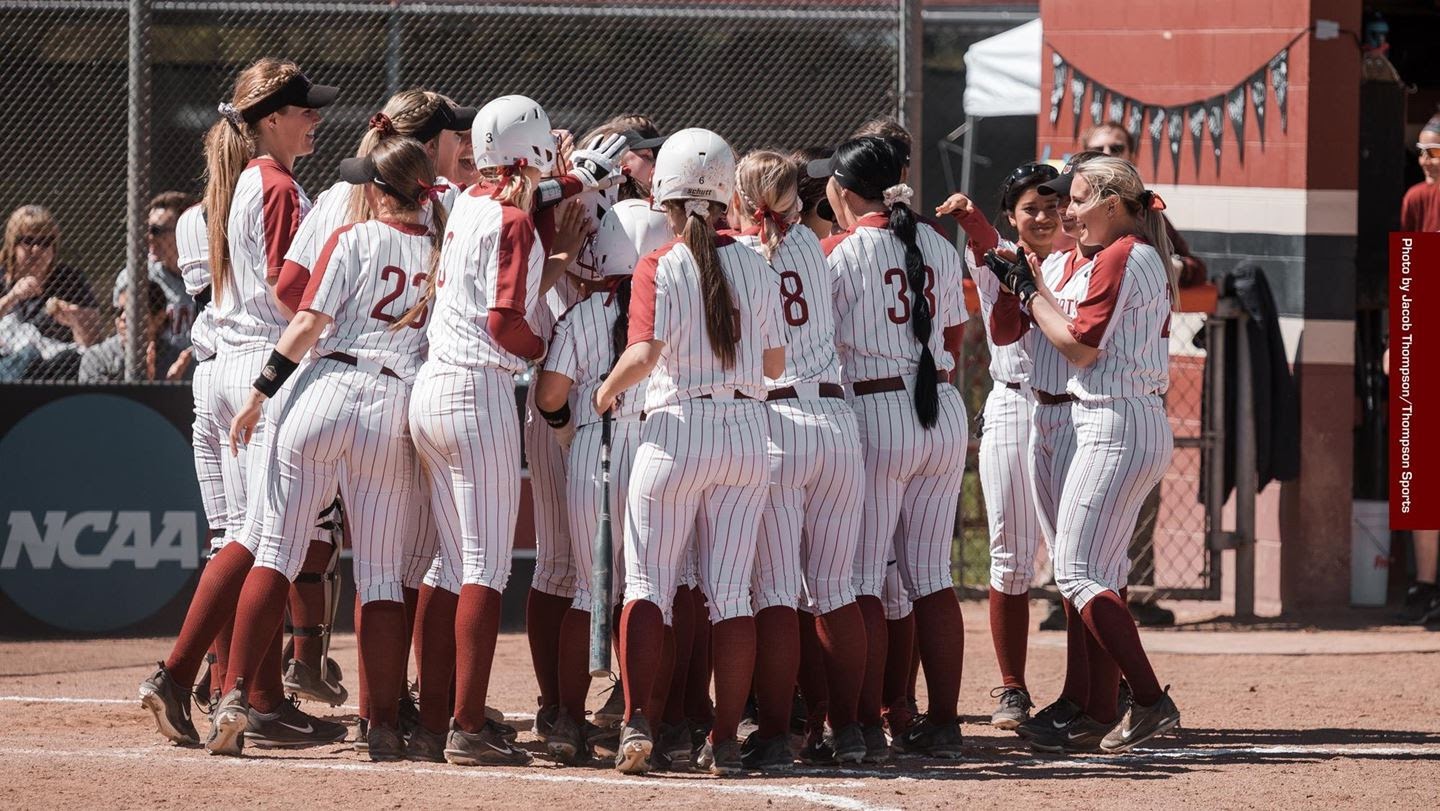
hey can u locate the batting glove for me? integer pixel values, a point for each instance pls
(597, 166)
(1017, 275)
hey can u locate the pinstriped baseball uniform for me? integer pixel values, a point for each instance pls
(582, 350)
(345, 423)
(702, 464)
(913, 475)
(555, 568)
(1015, 534)
(192, 243)
(463, 414)
(893, 596)
(265, 212)
(1123, 439)
(811, 524)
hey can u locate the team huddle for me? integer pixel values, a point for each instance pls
(752, 357)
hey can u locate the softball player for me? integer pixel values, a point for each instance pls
(1015, 535)
(252, 208)
(899, 308)
(344, 426)
(704, 315)
(463, 414)
(811, 524)
(587, 340)
(1111, 321)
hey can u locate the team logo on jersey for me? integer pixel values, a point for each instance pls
(101, 523)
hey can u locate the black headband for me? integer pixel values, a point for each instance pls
(298, 92)
(445, 117)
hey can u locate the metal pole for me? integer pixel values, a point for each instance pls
(910, 96)
(967, 167)
(137, 184)
(1245, 475)
(1214, 444)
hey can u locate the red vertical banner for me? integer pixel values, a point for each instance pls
(1414, 366)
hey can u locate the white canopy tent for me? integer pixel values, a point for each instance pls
(1002, 78)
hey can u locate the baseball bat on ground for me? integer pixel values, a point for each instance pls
(601, 575)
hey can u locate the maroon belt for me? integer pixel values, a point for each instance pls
(1046, 398)
(738, 396)
(879, 386)
(833, 390)
(354, 361)
(1015, 386)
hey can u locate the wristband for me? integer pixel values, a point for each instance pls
(274, 374)
(558, 418)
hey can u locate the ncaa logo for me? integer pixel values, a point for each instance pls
(100, 516)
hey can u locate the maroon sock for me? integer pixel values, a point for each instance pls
(1104, 682)
(574, 664)
(1109, 620)
(412, 615)
(661, 687)
(221, 648)
(212, 608)
(642, 645)
(543, 614)
(683, 623)
(842, 639)
(697, 682)
(877, 641)
(435, 652)
(363, 693)
(307, 604)
(259, 615)
(899, 656)
(1077, 660)
(383, 642)
(268, 691)
(811, 677)
(777, 661)
(477, 624)
(941, 632)
(733, 641)
(914, 665)
(1010, 630)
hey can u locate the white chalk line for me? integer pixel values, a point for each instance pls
(509, 716)
(802, 793)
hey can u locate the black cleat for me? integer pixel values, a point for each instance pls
(767, 754)
(1014, 708)
(1084, 734)
(312, 685)
(1422, 605)
(931, 738)
(877, 747)
(635, 746)
(170, 705)
(721, 759)
(544, 719)
(673, 744)
(229, 722)
(386, 745)
(409, 712)
(425, 746)
(288, 727)
(487, 747)
(612, 712)
(1054, 718)
(1140, 724)
(847, 744)
(817, 750)
(566, 743)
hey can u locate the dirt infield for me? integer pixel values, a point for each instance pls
(1275, 718)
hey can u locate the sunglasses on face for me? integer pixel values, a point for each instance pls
(159, 230)
(36, 242)
(1111, 149)
(1429, 150)
(1028, 171)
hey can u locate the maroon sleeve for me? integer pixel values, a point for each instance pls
(513, 333)
(642, 300)
(980, 235)
(516, 242)
(280, 214)
(1093, 313)
(954, 338)
(1007, 322)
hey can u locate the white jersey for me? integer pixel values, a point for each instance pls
(1050, 372)
(193, 242)
(873, 299)
(1120, 305)
(666, 305)
(265, 213)
(583, 350)
(179, 305)
(367, 277)
(1009, 362)
(492, 260)
(806, 307)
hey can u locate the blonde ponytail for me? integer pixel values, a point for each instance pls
(403, 115)
(768, 185)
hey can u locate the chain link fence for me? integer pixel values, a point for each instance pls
(762, 74)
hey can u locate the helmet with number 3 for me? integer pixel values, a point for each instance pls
(511, 131)
(694, 164)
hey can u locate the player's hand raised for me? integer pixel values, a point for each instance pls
(956, 205)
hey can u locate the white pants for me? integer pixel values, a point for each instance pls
(554, 564)
(1122, 449)
(811, 523)
(583, 487)
(913, 478)
(425, 536)
(1015, 535)
(701, 472)
(467, 430)
(208, 438)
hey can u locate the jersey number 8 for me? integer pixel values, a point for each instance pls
(398, 274)
(792, 296)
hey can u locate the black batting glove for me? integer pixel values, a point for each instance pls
(1017, 275)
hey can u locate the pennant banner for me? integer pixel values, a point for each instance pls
(1078, 83)
(1057, 90)
(1235, 110)
(1195, 122)
(1097, 104)
(1280, 83)
(1215, 118)
(1135, 120)
(1257, 100)
(1115, 108)
(1157, 126)
(1177, 126)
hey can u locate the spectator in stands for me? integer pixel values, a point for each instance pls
(162, 359)
(1420, 210)
(47, 309)
(164, 266)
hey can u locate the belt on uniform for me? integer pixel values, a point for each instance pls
(832, 390)
(1015, 386)
(878, 386)
(1046, 398)
(354, 361)
(737, 395)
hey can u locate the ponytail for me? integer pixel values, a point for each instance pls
(620, 333)
(228, 149)
(720, 322)
(1152, 227)
(922, 322)
(768, 187)
(404, 114)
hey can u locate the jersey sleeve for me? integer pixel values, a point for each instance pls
(980, 235)
(843, 292)
(516, 258)
(280, 217)
(772, 320)
(190, 236)
(564, 357)
(333, 282)
(1096, 313)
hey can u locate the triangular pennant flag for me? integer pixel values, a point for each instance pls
(1115, 109)
(1177, 127)
(1195, 122)
(1215, 119)
(1280, 83)
(1078, 84)
(1097, 104)
(1057, 91)
(1235, 110)
(1157, 127)
(1257, 99)
(1135, 120)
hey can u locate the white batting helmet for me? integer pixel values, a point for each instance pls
(512, 129)
(629, 231)
(694, 164)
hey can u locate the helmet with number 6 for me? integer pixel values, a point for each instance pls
(513, 130)
(631, 230)
(694, 164)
